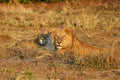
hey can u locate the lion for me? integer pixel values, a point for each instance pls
(44, 39)
(64, 41)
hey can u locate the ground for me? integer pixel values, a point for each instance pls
(21, 57)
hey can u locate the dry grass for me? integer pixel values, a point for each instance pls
(85, 17)
(98, 62)
(21, 25)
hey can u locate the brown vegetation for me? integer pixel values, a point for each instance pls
(96, 25)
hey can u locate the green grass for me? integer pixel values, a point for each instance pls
(27, 75)
(6, 71)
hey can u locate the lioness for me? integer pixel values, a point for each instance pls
(44, 39)
(64, 40)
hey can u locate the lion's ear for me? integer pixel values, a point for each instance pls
(67, 31)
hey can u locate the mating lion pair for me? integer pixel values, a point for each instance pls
(63, 40)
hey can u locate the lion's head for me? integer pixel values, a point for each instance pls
(62, 39)
(44, 39)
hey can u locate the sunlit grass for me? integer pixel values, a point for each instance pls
(86, 17)
(78, 17)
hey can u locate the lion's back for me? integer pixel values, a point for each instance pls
(82, 49)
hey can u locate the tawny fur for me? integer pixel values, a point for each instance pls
(78, 47)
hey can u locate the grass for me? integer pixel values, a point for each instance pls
(25, 75)
(77, 18)
(102, 62)
(22, 20)
(6, 71)
(86, 17)
(98, 62)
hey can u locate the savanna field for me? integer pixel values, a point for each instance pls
(94, 22)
